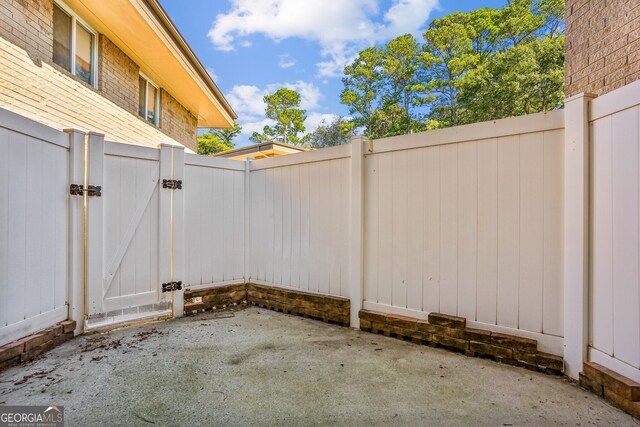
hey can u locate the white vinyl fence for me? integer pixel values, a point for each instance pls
(214, 221)
(467, 221)
(299, 221)
(34, 226)
(615, 276)
(526, 225)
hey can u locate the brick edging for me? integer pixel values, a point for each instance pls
(451, 332)
(620, 391)
(327, 308)
(32, 346)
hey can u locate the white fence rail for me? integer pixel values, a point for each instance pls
(34, 231)
(615, 254)
(468, 221)
(299, 221)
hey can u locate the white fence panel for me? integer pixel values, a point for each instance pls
(214, 198)
(470, 227)
(615, 274)
(34, 230)
(299, 221)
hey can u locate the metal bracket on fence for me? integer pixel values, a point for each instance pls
(172, 286)
(172, 184)
(91, 190)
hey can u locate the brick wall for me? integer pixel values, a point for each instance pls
(46, 94)
(603, 45)
(177, 122)
(29, 25)
(117, 76)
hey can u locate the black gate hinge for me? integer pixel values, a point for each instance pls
(92, 190)
(172, 184)
(172, 286)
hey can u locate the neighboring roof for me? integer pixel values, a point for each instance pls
(143, 30)
(261, 151)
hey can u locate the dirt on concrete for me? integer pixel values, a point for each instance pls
(257, 367)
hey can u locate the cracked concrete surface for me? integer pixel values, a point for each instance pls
(257, 367)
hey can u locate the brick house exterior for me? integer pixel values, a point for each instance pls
(33, 85)
(602, 45)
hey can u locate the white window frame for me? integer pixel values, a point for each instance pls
(75, 19)
(146, 97)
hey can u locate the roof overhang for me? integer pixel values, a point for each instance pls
(143, 30)
(261, 151)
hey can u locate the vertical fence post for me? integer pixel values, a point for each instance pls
(95, 225)
(179, 270)
(75, 292)
(164, 221)
(576, 233)
(170, 225)
(356, 227)
(247, 219)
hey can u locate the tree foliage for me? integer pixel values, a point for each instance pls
(217, 140)
(337, 132)
(480, 65)
(283, 107)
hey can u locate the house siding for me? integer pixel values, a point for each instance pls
(117, 75)
(602, 45)
(45, 93)
(28, 26)
(177, 122)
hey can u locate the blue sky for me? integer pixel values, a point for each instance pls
(254, 47)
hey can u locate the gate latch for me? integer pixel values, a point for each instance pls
(172, 184)
(172, 286)
(91, 190)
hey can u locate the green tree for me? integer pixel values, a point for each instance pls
(257, 138)
(217, 140)
(454, 45)
(337, 132)
(524, 79)
(389, 121)
(283, 107)
(481, 65)
(400, 67)
(526, 74)
(227, 135)
(363, 86)
(209, 144)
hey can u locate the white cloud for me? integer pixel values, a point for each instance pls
(340, 27)
(256, 126)
(247, 101)
(286, 61)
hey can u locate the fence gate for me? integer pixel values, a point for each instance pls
(130, 231)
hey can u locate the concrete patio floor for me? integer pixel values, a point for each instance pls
(257, 367)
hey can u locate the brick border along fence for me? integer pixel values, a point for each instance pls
(326, 308)
(32, 346)
(440, 330)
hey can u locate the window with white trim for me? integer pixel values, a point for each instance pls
(74, 44)
(148, 100)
